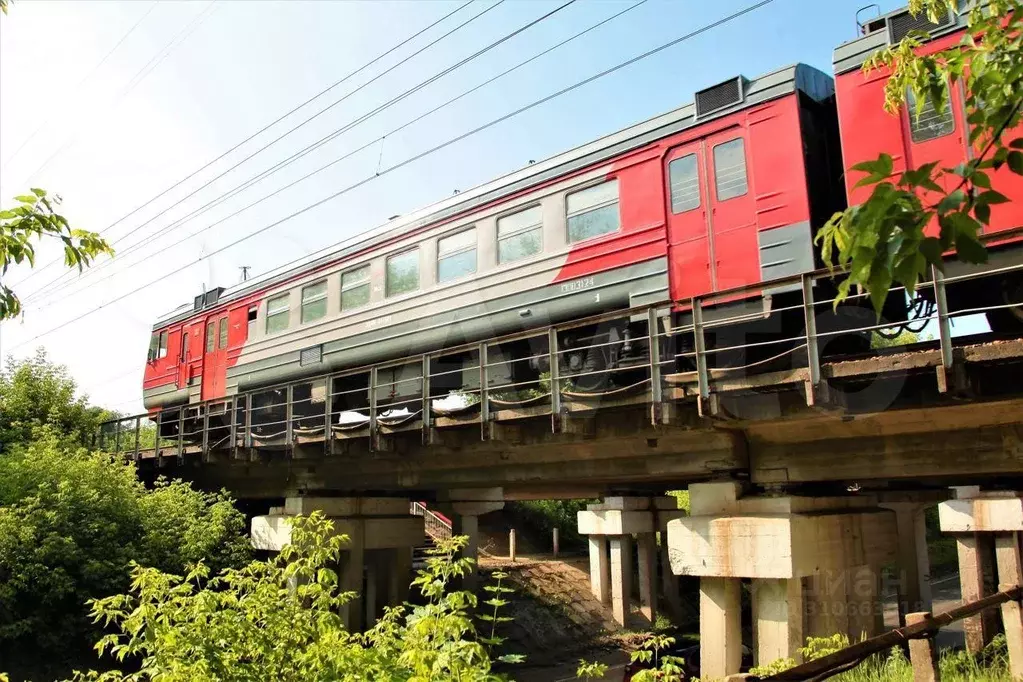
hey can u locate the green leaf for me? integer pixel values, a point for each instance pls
(1015, 162)
(969, 249)
(952, 202)
(1017, 143)
(25, 198)
(991, 197)
(983, 213)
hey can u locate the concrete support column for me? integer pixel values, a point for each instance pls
(621, 577)
(720, 628)
(353, 566)
(369, 597)
(1010, 574)
(972, 558)
(468, 505)
(669, 582)
(469, 525)
(779, 614)
(600, 569)
(400, 576)
(913, 562)
(646, 549)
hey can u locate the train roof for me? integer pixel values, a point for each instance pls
(888, 29)
(709, 104)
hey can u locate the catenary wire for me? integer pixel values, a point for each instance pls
(42, 292)
(82, 82)
(262, 130)
(353, 152)
(416, 157)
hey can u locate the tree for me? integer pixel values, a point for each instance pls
(279, 620)
(35, 218)
(71, 524)
(882, 241)
(37, 393)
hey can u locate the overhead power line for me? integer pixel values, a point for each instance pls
(417, 157)
(82, 82)
(42, 292)
(353, 152)
(262, 130)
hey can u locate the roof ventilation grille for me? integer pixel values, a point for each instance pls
(310, 356)
(720, 96)
(207, 299)
(900, 25)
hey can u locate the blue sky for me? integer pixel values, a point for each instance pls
(113, 137)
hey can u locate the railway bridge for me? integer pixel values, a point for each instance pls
(805, 477)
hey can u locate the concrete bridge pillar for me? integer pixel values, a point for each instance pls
(913, 564)
(984, 519)
(467, 506)
(814, 566)
(376, 562)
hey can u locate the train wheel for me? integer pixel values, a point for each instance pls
(1008, 320)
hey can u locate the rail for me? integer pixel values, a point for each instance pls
(421, 392)
(922, 658)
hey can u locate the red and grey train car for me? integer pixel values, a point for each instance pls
(724, 192)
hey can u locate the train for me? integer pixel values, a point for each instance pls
(726, 191)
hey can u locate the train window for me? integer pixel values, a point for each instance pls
(184, 346)
(456, 255)
(277, 314)
(593, 211)
(519, 235)
(730, 169)
(162, 351)
(211, 336)
(927, 123)
(355, 288)
(402, 273)
(314, 302)
(684, 177)
(223, 333)
(252, 321)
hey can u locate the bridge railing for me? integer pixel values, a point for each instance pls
(745, 331)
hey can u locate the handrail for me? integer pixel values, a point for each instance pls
(436, 525)
(851, 656)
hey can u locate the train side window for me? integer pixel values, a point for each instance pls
(402, 273)
(355, 288)
(277, 314)
(593, 211)
(314, 302)
(223, 333)
(519, 235)
(684, 176)
(730, 169)
(928, 123)
(456, 255)
(162, 351)
(253, 312)
(184, 346)
(211, 337)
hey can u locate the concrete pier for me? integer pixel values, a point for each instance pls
(467, 505)
(376, 563)
(814, 564)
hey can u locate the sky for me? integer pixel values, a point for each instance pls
(110, 103)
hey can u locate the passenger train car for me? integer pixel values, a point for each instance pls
(726, 191)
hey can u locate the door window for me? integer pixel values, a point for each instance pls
(684, 176)
(184, 346)
(928, 123)
(211, 337)
(223, 333)
(730, 169)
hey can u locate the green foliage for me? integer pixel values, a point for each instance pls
(903, 338)
(881, 242)
(663, 668)
(279, 620)
(32, 219)
(682, 497)
(72, 523)
(36, 393)
(587, 670)
(543, 516)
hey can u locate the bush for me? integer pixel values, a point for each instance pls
(279, 620)
(71, 524)
(543, 516)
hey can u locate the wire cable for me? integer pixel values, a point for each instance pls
(262, 130)
(42, 292)
(356, 151)
(413, 159)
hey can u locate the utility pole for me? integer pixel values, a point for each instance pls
(245, 271)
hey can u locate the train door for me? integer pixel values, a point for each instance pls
(185, 358)
(689, 247)
(933, 137)
(214, 366)
(733, 218)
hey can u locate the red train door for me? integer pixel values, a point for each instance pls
(733, 218)
(185, 358)
(689, 248)
(933, 137)
(214, 366)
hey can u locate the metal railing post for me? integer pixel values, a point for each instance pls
(233, 429)
(117, 439)
(812, 351)
(181, 432)
(654, 348)
(944, 328)
(159, 432)
(484, 398)
(248, 420)
(138, 435)
(328, 409)
(372, 407)
(289, 430)
(703, 381)
(552, 350)
(205, 429)
(426, 399)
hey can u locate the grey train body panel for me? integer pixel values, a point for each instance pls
(164, 396)
(472, 323)
(784, 81)
(785, 251)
